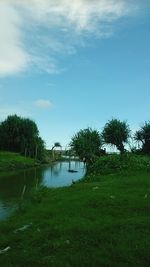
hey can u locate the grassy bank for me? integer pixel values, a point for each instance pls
(100, 223)
(121, 164)
(13, 161)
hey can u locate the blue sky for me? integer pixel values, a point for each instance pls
(69, 65)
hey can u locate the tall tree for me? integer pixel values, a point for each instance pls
(116, 133)
(86, 144)
(21, 135)
(143, 136)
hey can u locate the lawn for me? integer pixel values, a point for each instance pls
(105, 223)
(14, 161)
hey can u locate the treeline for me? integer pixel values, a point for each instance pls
(88, 143)
(21, 135)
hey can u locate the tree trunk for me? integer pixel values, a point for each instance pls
(121, 148)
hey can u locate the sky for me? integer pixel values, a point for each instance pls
(69, 65)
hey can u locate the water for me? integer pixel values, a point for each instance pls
(12, 183)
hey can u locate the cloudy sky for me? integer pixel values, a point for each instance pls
(75, 64)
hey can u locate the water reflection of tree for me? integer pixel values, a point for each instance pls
(11, 185)
(6, 208)
(56, 169)
(38, 176)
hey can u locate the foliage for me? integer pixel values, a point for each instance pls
(116, 133)
(143, 136)
(56, 156)
(86, 144)
(114, 163)
(105, 223)
(13, 161)
(56, 144)
(21, 135)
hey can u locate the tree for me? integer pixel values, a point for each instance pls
(116, 133)
(39, 148)
(56, 144)
(21, 135)
(143, 136)
(10, 134)
(86, 144)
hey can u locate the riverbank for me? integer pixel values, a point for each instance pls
(104, 222)
(14, 161)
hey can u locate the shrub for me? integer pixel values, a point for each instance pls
(119, 163)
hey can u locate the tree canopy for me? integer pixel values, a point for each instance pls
(86, 144)
(116, 133)
(21, 135)
(143, 136)
(56, 144)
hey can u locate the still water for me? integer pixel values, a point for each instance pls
(13, 183)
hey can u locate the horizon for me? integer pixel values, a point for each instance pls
(73, 65)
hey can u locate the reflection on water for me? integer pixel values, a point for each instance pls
(12, 184)
(58, 174)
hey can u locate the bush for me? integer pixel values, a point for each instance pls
(119, 163)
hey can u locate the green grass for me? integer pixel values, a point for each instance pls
(14, 161)
(125, 163)
(105, 223)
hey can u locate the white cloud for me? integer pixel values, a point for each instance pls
(43, 104)
(80, 14)
(23, 43)
(13, 57)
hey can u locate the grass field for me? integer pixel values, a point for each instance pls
(105, 223)
(13, 161)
